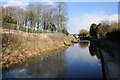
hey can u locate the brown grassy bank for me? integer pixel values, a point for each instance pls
(20, 47)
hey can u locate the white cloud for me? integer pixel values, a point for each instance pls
(15, 3)
(84, 21)
(50, 2)
(22, 3)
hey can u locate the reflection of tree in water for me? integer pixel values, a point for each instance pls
(94, 50)
(52, 66)
(15, 68)
(83, 44)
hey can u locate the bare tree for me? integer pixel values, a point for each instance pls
(26, 16)
(44, 17)
(19, 17)
(61, 15)
(38, 15)
(31, 14)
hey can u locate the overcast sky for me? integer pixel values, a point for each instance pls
(81, 14)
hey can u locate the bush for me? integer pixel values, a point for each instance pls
(114, 36)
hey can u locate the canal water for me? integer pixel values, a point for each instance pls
(77, 61)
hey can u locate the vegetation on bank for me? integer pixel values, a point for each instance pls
(84, 33)
(104, 29)
(21, 47)
(113, 36)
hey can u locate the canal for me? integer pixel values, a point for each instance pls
(80, 60)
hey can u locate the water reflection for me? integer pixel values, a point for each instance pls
(73, 62)
(83, 44)
(51, 66)
(48, 67)
(94, 50)
(81, 64)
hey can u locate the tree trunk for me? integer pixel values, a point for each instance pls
(18, 25)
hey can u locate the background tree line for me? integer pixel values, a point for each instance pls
(103, 29)
(36, 18)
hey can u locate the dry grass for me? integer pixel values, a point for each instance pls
(20, 47)
(27, 41)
